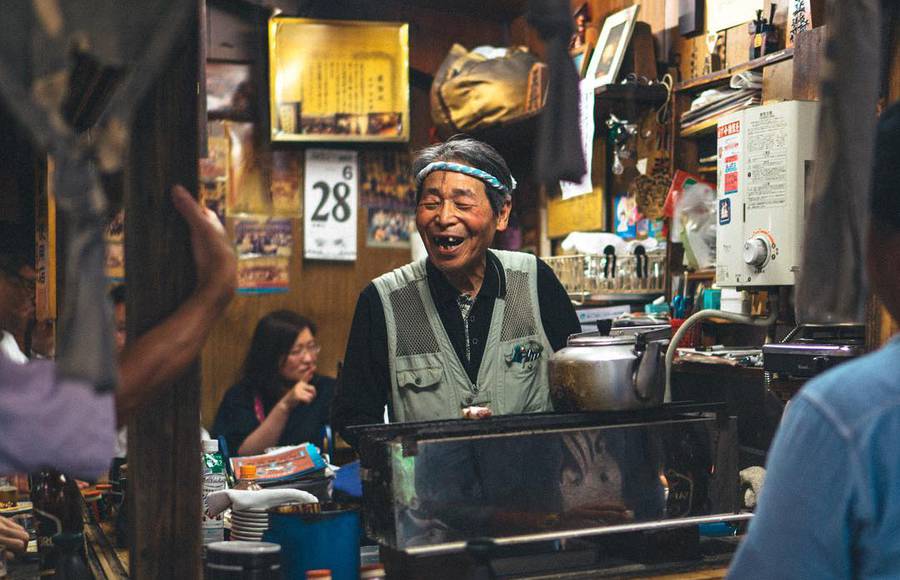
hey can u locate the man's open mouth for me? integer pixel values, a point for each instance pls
(447, 241)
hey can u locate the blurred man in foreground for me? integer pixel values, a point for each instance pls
(830, 506)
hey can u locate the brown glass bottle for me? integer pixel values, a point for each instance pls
(57, 509)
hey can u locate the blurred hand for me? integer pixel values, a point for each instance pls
(300, 394)
(213, 256)
(13, 537)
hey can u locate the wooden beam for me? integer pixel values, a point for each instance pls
(880, 325)
(164, 447)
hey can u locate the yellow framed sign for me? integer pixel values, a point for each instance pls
(338, 80)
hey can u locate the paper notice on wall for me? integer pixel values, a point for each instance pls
(722, 14)
(330, 204)
(767, 161)
(586, 109)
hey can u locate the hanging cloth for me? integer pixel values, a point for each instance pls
(558, 154)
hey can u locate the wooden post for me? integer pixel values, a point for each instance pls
(163, 438)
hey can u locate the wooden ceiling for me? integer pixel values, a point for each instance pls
(493, 9)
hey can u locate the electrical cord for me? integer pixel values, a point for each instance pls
(662, 113)
(693, 319)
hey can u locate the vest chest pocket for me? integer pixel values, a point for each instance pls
(525, 378)
(426, 378)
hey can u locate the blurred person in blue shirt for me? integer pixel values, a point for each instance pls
(830, 506)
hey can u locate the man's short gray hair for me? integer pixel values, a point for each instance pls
(477, 154)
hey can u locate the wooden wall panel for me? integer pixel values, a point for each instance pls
(778, 82)
(691, 56)
(808, 48)
(433, 31)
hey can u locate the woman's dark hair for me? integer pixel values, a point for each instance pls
(275, 334)
(468, 151)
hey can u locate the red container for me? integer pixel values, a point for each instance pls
(689, 340)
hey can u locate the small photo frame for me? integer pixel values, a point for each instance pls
(614, 38)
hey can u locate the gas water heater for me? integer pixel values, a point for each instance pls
(765, 157)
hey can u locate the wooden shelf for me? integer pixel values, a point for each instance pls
(722, 76)
(701, 129)
(613, 298)
(701, 275)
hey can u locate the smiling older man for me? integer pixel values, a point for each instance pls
(467, 331)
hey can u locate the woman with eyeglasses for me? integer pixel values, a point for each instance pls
(279, 399)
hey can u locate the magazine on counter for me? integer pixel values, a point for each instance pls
(283, 463)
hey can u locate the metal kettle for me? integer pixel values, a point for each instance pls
(621, 371)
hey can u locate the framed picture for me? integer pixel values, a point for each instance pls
(607, 58)
(338, 80)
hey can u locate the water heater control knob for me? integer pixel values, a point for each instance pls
(756, 252)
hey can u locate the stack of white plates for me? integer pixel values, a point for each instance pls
(248, 525)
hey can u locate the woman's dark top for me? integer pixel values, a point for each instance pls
(236, 417)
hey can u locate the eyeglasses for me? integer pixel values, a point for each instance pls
(311, 349)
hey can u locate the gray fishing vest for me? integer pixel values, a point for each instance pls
(429, 382)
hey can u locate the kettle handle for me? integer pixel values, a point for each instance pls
(646, 370)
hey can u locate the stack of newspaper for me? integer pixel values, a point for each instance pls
(716, 102)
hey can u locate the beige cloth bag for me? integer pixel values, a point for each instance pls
(471, 92)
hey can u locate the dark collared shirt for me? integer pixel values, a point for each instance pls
(364, 385)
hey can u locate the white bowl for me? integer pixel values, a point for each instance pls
(250, 529)
(250, 518)
(250, 513)
(250, 522)
(246, 538)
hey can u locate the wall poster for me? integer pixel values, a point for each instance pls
(214, 169)
(338, 80)
(263, 247)
(330, 204)
(246, 191)
(388, 192)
